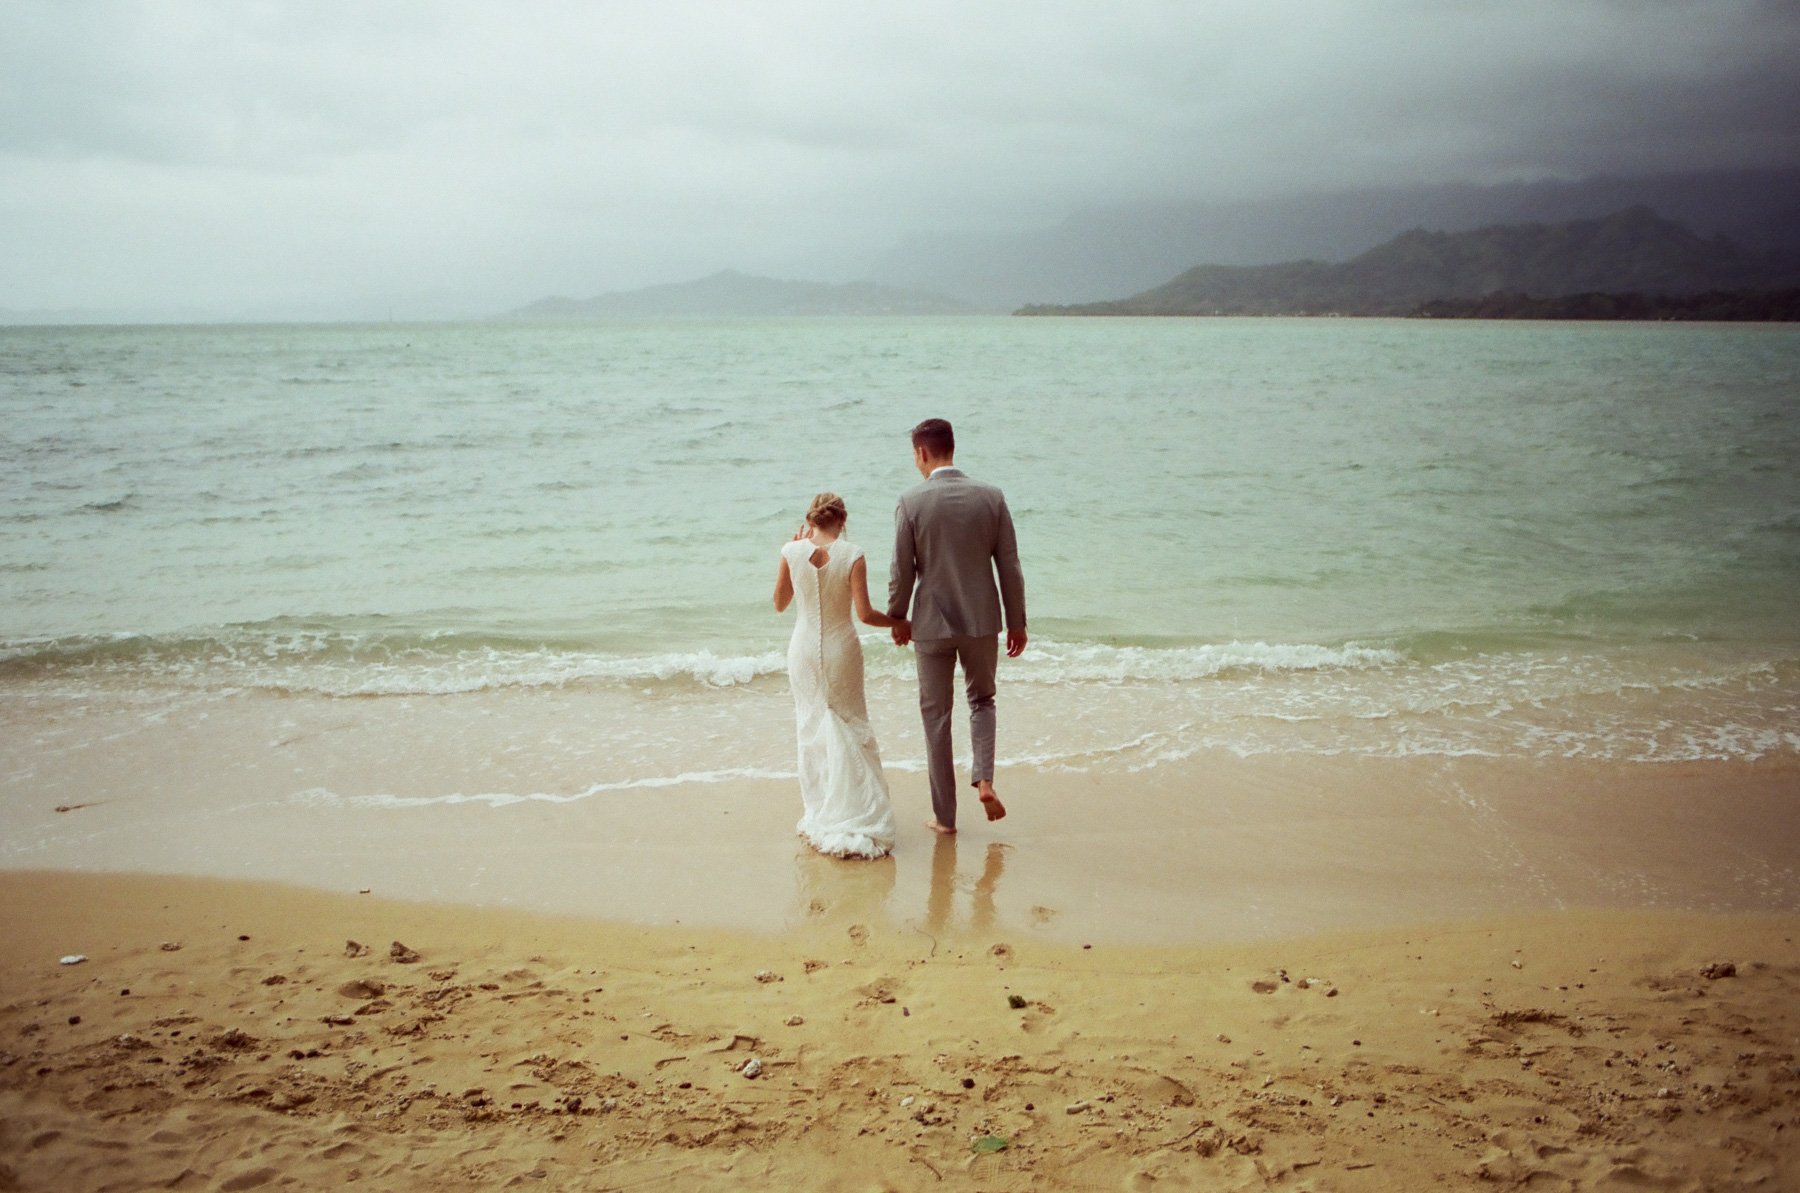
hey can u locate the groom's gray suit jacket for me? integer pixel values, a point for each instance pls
(952, 536)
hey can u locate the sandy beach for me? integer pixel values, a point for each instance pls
(1213, 971)
(1285, 971)
(232, 1036)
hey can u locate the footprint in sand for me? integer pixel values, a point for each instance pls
(859, 935)
(881, 990)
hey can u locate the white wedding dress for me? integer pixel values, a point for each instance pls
(848, 813)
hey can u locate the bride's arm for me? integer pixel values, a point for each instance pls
(859, 593)
(784, 587)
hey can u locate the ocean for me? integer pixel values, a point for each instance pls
(1261, 536)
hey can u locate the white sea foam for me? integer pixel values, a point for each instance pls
(336, 663)
(1069, 706)
(1045, 663)
(500, 799)
(1054, 662)
(349, 665)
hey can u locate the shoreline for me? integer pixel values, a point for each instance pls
(218, 1035)
(1125, 848)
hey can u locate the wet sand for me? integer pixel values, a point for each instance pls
(387, 795)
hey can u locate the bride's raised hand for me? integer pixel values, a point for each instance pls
(805, 532)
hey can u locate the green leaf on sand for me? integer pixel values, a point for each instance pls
(989, 1143)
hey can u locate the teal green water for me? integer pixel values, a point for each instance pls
(1527, 509)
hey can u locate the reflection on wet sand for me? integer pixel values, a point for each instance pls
(941, 896)
(838, 888)
(839, 892)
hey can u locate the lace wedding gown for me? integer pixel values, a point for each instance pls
(846, 798)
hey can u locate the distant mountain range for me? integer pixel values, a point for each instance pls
(730, 294)
(1109, 251)
(1629, 251)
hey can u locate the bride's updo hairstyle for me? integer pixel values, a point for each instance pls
(827, 512)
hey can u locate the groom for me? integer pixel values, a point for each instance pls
(952, 536)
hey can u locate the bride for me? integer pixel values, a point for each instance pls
(841, 785)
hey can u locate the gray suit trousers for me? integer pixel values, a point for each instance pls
(937, 658)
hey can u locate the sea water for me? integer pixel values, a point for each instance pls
(1257, 535)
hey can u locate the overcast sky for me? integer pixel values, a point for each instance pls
(231, 155)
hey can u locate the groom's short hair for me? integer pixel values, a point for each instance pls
(936, 437)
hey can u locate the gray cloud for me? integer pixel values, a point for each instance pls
(235, 155)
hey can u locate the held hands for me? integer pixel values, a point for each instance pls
(1015, 639)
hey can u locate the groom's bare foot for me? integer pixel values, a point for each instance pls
(935, 827)
(990, 803)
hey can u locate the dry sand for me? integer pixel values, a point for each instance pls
(218, 1036)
